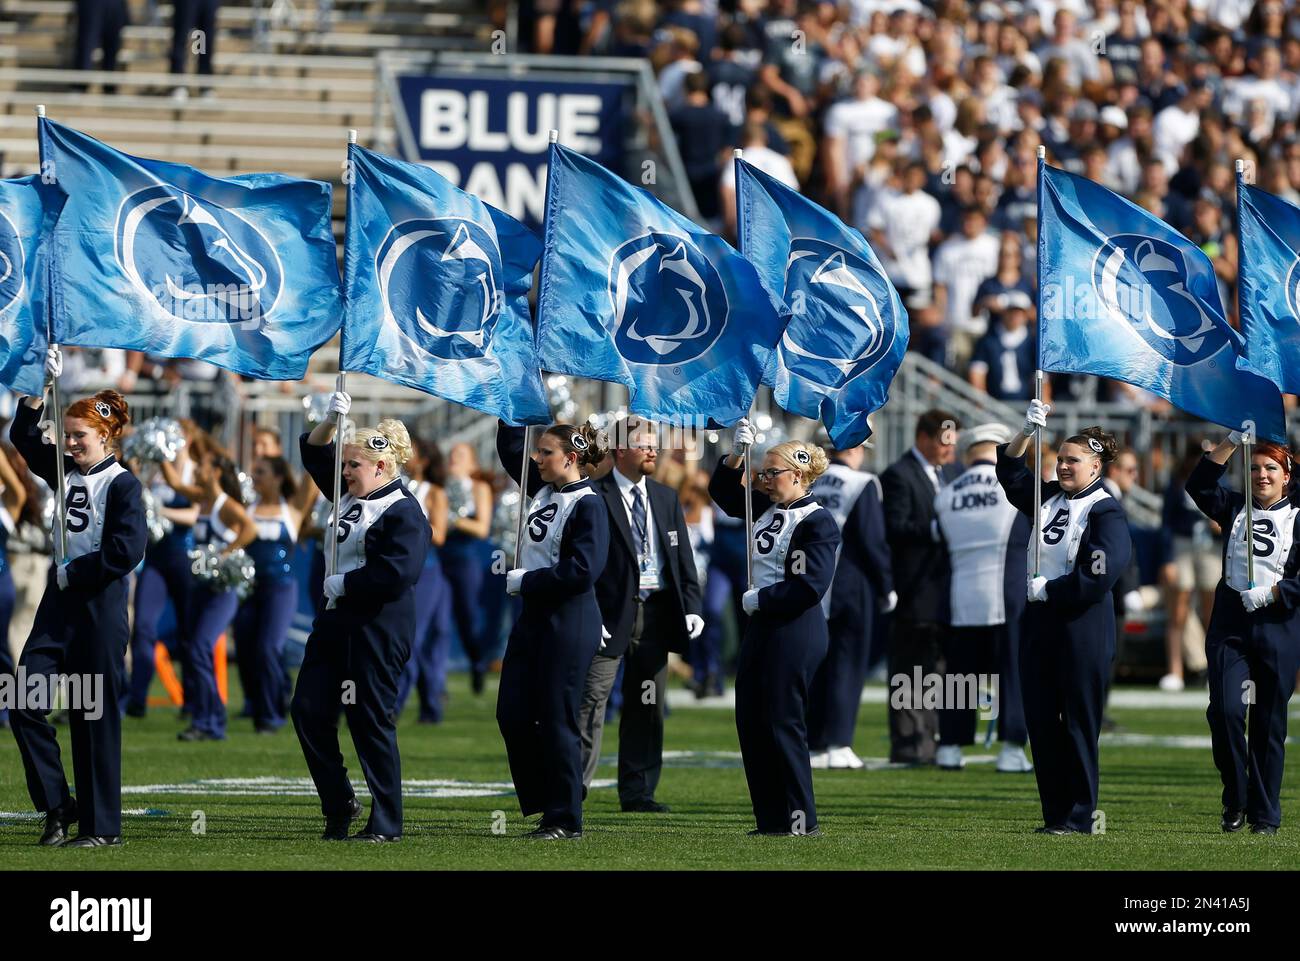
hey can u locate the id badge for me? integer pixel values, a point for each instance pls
(649, 575)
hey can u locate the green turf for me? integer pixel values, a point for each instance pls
(1161, 808)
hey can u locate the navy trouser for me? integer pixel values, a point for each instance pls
(1251, 769)
(1063, 678)
(836, 691)
(426, 670)
(367, 662)
(76, 635)
(261, 627)
(166, 579)
(543, 677)
(8, 597)
(706, 650)
(465, 566)
(188, 16)
(210, 614)
(99, 26)
(988, 650)
(774, 672)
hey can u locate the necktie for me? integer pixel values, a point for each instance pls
(638, 529)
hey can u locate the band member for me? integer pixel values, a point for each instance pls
(13, 497)
(362, 638)
(987, 541)
(81, 624)
(564, 549)
(794, 545)
(466, 557)
(264, 618)
(863, 584)
(649, 596)
(1068, 632)
(223, 521)
(1253, 641)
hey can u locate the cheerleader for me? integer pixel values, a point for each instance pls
(13, 496)
(467, 556)
(81, 624)
(427, 669)
(1253, 641)
(785, 639)
(558, 632)
(224, 522)
(362, 638)
(166, 573)
(1067, 639)
(264, 618)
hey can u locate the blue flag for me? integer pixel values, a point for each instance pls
(634, 293)
(1124, 295)
(437, 290)
(1268, 284)
(28, 211)
(160, 257)
(847, 329)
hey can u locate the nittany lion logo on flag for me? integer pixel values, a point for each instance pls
(1292, 289)
(11, 264)
(196, 260)
(847, 328)
(1143, 281)
(438, 280)
(669, 303)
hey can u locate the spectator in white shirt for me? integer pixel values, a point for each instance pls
(961, 264)
(851, 128)
(757, 153)
(902, 226)
(1178, 124)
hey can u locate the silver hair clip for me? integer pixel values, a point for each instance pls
(377, 442)
(579, 442)
(802, 456)
(1096, 445)
(103, 410)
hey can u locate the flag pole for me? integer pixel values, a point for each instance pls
(56, 403)
(1248, 438)
(746, 465)
(1038, 375)
(341, 386)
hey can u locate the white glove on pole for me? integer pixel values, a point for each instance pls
(53, 362)
(515, 580)
(744, 437)
(749, 601)
(694, 626)
(1256, 598)
(340, 404)
(61, 576)
(887, 604)
(1035, 416)
(1038, 590)
(334, 587)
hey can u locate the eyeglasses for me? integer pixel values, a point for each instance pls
(772, 472)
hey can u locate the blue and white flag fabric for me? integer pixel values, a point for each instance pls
(1124, 295)
(160, 257)
(847, 329)
(634, 293)
(1268, 284)
(28, 212)
(437, 289)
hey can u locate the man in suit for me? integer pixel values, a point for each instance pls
(650, 600)
(920, 576)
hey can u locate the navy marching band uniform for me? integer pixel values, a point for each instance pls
(785, 641)
(544, 673)
(211, 612)
(82, 630)
(1262, 647)
(426, 671)
(863, 578)
(1068, 641)
(264, 618)
(365, 639)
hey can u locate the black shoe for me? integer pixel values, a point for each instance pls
(1232, 821)
(645, 807)
(553, 833)
(136, 710)
(194, 734)
(336, 825)
(95, 841)
(1263, 829)
(56, 825)
(372, 838)
(1055, 829)
(477, 680)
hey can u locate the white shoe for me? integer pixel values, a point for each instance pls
(949, 757)
(1012, 760)
(819, 760)
(1171, 682)
(180, 94)
(844, 758)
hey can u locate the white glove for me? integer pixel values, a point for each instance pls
(1257, 597)
(61, 576)
(694, 626)
(750, 601)
(340, 404)
(53, 363)
(743, 438)
(1038, 590)
(604, 636)
(1035, 416)
(334, 588)
(887, 604)
(1133, 603)
(515, 580)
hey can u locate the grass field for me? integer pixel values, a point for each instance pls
(1160, 803)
